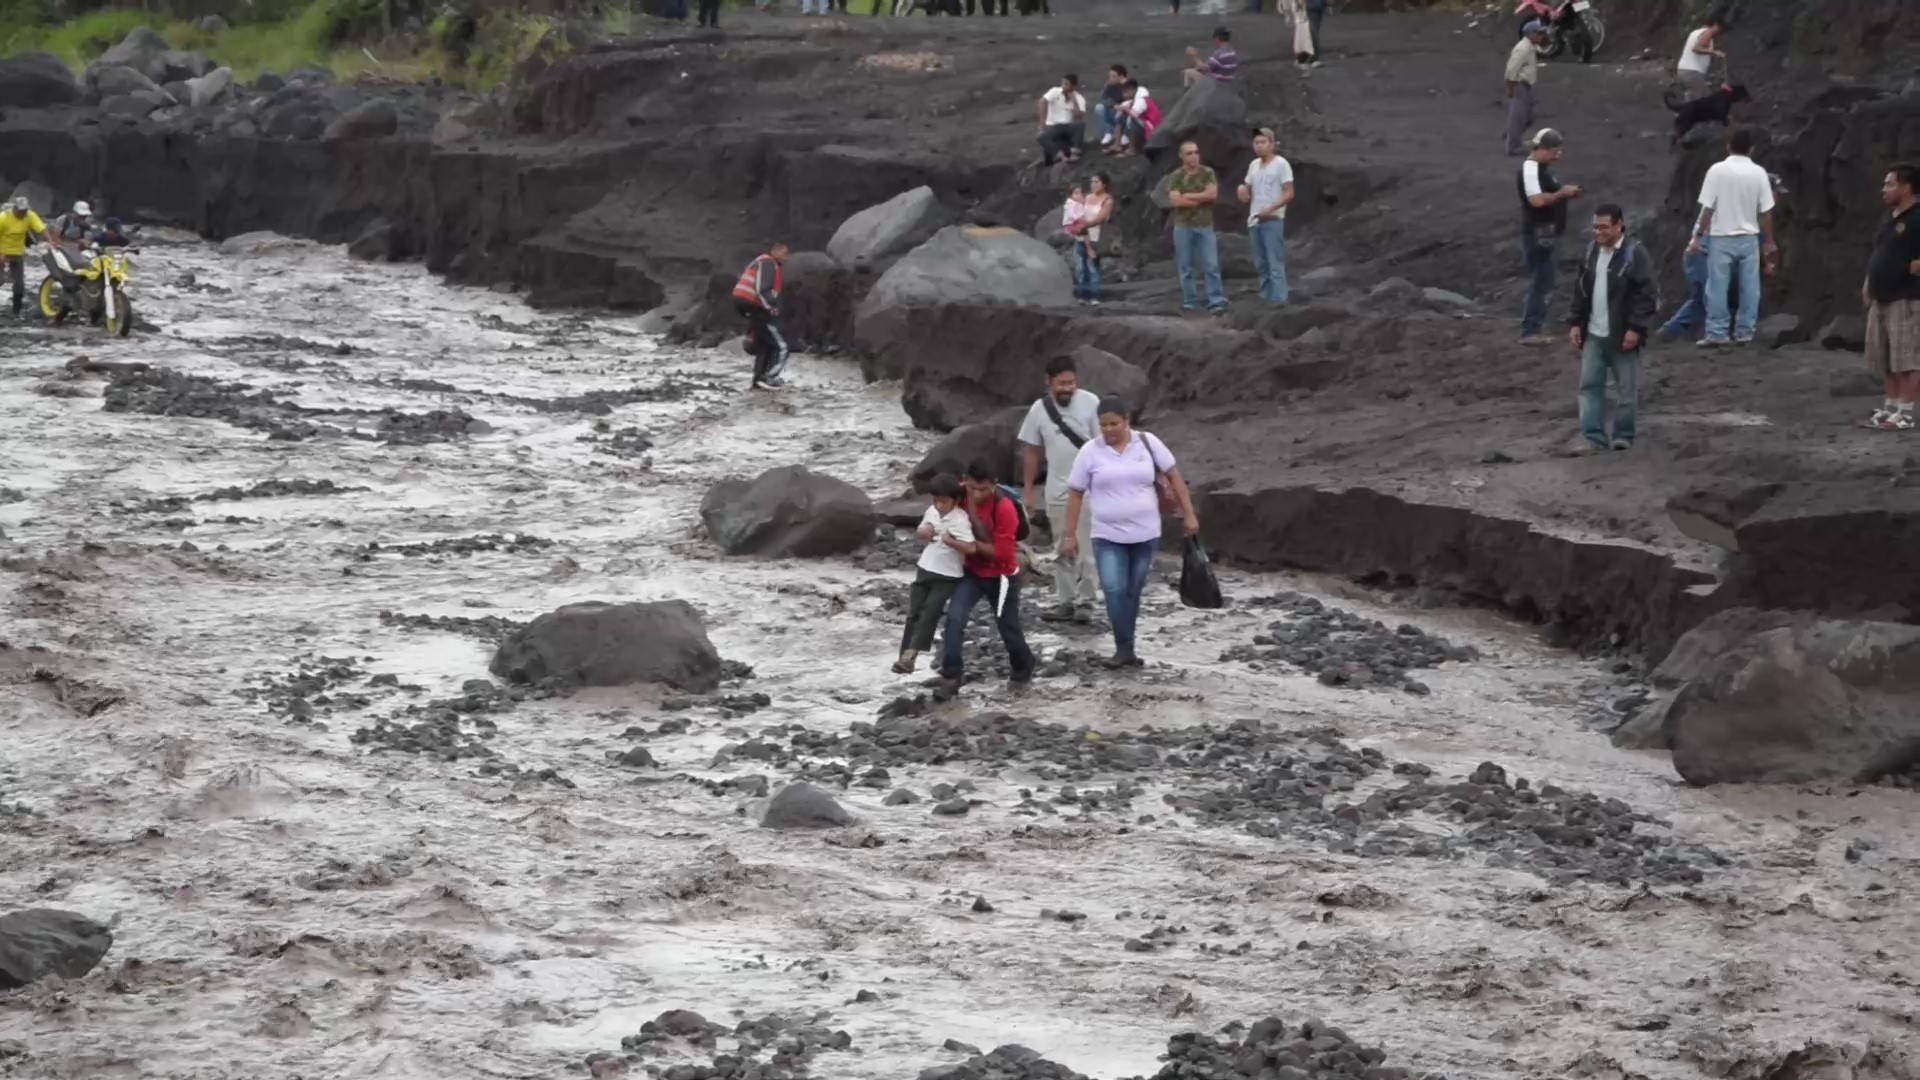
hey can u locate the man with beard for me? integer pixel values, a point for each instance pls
(1058, 425)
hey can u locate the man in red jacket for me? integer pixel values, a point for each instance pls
(993, 569)
(757, 297)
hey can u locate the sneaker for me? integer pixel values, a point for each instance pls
(1623, 444)
(1095, 302)
(773, 382)
(1218, 312)
(1743, 341)
(1535, 340)
(1898, 420)
(1118, 661)
(1581, 446)
(1060, 613)
(1880, 414)
(1020, 680)
(1713, 343)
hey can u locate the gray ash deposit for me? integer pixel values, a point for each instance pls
(1344, 649)
(166, 392)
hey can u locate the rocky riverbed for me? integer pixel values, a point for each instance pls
(251, 599)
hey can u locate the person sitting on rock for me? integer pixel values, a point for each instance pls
(1062, 112)
(1223, 65)
(1106, 111)
(941, 568)
(756, 296)
(993, 568)
(1137, 120)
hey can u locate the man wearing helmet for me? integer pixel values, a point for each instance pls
(17, 223)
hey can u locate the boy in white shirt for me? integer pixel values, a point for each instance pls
(941, 568)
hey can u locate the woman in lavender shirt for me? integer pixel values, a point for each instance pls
(1115, 473)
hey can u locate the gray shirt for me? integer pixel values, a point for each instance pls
(1082, 415)
(1600, 322)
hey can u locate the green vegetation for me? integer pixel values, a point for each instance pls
(477, 48)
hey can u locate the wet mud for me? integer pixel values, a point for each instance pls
(263, 747)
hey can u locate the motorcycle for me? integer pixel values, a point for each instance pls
(96, 288)
(1572, 25)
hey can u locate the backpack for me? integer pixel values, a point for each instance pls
(1021, 530)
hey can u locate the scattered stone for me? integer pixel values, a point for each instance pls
(803, 806)
(789, 512)
(980, 907)
(900, 797)
(513, 543)
(1343, 649)
(491, 628)
(38, 942)
(637, 757)
(953, 807)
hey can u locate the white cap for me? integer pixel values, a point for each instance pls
(20, 202)
(83, 209)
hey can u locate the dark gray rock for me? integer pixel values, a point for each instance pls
(900, 797)
(114, 82)
(1105, 374)
(961, 264)
(891, 228)
(1396, 292)
(1208, 106)
(180, 65)
(789, 512)
(368, 120)
(995, 441)
(143, 49)
(37, 80)
(39, 942)
(137, 106)
(803, 806)
(1775, 331)
(1845, 333)
(210, 89)
(1821, 700)
(598, 644)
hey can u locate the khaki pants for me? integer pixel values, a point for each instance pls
(1075, 581)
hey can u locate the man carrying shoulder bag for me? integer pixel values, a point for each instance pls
(1058, 424)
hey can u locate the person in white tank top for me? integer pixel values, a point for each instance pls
(1696, 59)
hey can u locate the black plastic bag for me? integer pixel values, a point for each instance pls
(1198, 587)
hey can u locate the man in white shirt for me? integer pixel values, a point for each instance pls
(1736, 220)
(1062, 112)
(1267, 191)
(1696, 59)
(1058, 425)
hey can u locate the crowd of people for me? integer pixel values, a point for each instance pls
(1732, 248)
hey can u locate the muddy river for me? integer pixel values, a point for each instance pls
(232, 605)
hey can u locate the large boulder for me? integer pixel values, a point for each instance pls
(112, 82)
(143, 49)
(968, 264)
(803, 806)
(790, 512)
(1819, 701)
(892, 228)
(600, 644)
(39, 942)
(996, 440)
(180, 65)
(1105, 374)
(210, 89)
(367, 120)
(1209, 105)
(1650, 727)
(37, 80)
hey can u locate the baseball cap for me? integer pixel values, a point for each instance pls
(83, 209)
(1546, 139)
(1267, 131)
(19, 202)
(1534, 26)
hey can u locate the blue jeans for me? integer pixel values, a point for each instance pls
(1694, 311)
(1123, 577)
(1598, 359)
(972, 589)
(1106, 116)
(1196, 244)
(1541, 262)
(1730, 260)
(1086, 270)
(1268, 241)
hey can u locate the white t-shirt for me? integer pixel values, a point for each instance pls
(1059, 109)
(1738, 192)
(1696, 62)
(1083, 416)
(938, 558)
(1138, 106)
(1600, 321)
(1265, 179)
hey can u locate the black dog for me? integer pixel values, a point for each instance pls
(1715, 108)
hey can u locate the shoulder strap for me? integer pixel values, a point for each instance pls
(1053, 413)
(1147, 437)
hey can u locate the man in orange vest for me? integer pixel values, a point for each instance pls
(757, 296)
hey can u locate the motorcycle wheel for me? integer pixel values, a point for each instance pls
(121, 320)
(52, 306)
(1596, 32)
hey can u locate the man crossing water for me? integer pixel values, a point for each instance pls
(757, 296)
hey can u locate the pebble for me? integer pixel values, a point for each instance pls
(1343, 649)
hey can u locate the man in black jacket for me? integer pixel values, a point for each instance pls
(1614, 302)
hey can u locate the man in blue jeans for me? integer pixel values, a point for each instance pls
(1613, 304)
(1191, 190)
(992, 574)
(1267, 191)
(1543, 221)
(1693, 313)
(1736, 218)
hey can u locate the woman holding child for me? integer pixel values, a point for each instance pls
(1086, 210)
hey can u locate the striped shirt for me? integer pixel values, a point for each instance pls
(1223, 63)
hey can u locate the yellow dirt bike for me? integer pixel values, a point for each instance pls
(96, 288)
